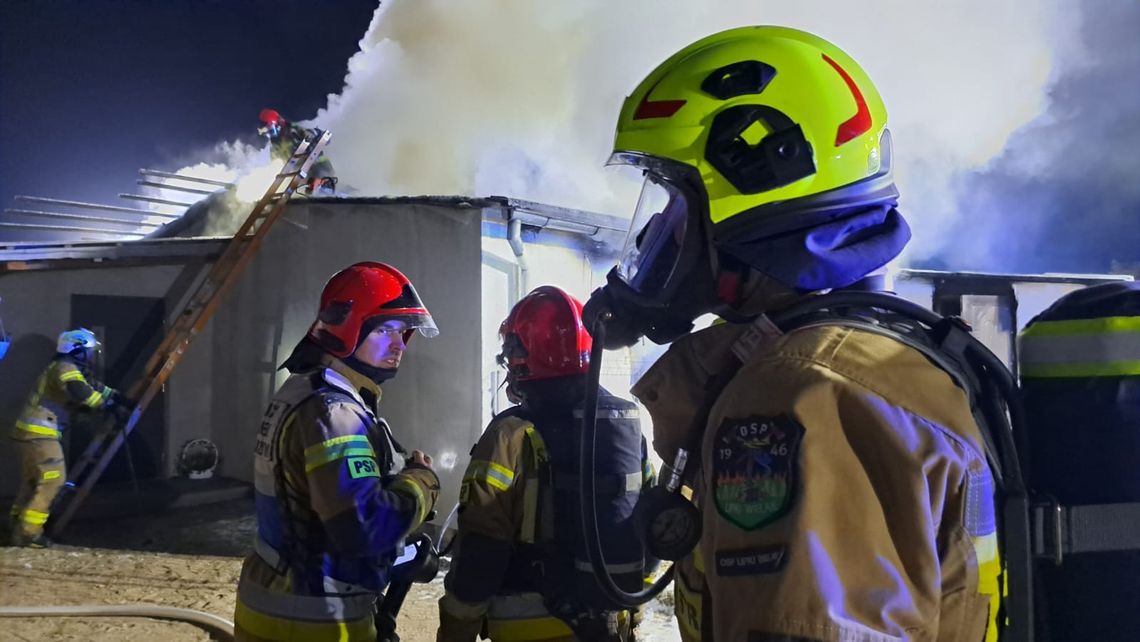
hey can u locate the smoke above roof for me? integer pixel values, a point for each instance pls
(1008, 117)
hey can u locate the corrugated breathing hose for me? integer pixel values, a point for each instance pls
(219, 628)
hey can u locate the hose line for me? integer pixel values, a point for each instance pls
(220, 628)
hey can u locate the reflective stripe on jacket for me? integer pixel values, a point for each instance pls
(61, 387)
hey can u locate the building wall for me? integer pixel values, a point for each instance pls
(226, 377)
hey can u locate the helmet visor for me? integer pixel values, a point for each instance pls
(409, 308)
(656, 235)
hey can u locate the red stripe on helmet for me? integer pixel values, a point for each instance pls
(656, 108)
(858, 124)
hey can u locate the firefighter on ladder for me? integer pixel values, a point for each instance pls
(284, 137)
(330, 513)
(65, 385)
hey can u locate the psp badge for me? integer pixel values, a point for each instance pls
(754, 468)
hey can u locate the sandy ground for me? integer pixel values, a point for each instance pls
(189, 561)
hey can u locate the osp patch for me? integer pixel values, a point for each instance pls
(754, 468)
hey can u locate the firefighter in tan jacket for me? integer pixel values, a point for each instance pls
(64, 386)
(520, 572)
(841, 478)
(330, 513)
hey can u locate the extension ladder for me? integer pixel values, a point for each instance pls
(195, 314)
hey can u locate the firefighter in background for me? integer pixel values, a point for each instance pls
(519, 571)
(284, 137)
(843, 487)
(330, 513)
(65, 385)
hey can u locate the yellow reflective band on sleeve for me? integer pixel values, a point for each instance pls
(494, 475)
(37, 430)
(72, 375)
(94, 400)
(34, 517)
(337, 448)
(1103, 325)
(418, 493)
(52, 474)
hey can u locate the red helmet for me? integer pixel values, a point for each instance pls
(366, 291)
(543, 336)
(271, 117)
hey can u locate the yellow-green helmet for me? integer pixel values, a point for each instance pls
(766, 158)
(763, 114)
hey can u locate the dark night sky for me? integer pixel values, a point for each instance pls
(92, 90)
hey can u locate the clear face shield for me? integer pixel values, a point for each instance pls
(652, 250)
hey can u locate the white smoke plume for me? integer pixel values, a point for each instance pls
(520, 98)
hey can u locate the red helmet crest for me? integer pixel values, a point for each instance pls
(366, 291)
(543, 336)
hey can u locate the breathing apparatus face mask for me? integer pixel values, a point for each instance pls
(664, 279)
(664, 276)
(89, 358)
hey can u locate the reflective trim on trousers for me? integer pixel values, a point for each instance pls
(522, 616)
(34, 517)
(514, 606)
(31, 426)
(306, 608)
(252, 625)
(270, 556)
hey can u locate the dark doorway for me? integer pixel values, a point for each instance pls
(130, 329)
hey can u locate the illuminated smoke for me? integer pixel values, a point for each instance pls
(520, 98)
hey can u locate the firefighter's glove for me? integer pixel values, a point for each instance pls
(120, 406)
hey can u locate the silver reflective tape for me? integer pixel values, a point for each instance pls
(633, 482)
(1089, 348)
(306, 608)
(516, 606)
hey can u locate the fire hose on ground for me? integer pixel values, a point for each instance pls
(219, 628)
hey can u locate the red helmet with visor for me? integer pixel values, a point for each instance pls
(543, 337)
(362, 292)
